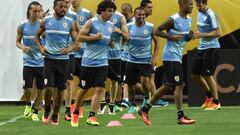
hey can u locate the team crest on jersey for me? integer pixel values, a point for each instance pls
(81, 18)
(83, 82)
(114, 21)
(65, 25)
(176, 78)
(145, 32)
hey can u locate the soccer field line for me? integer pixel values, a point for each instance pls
(12, 120)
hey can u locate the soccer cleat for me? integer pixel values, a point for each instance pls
(72, 108)
(27, 111)
(212, 107)
(144, 116)
(67, 116)
(207, 102)
(185, 120)
(132, 109)
(74, 121)
(45, 117)
(55, 121)
(35, 117)
(125, 104)
(92, 121)
(160, 103)
(145, 101)
(102, 108)
(81, 110)
(117, 108)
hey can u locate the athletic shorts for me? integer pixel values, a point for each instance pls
(71, 67)
(204, 63)
(93, 77)
(29, 73)
(134, 71)
(173, 73)
(114, 70)
(55, 72)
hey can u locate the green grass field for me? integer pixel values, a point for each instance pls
(222, 122)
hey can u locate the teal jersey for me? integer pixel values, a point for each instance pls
(173, 50)
(207, 22)
(140, 43)
(115, 53)
(83, 15)
(57, 36)
(95, 53)
(33, 58)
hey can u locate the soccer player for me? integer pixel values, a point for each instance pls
(58, 28)
(179, 32)
(83, 15)
(140, 55)
(147, 6)
(114, 58)
(32, 58)
(71, 67)
(126, 10)
(96, 32)
(203, 66)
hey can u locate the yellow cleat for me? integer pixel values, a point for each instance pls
(213, 106)
(92, 121)
(27, 111)
(35, 117)
(207, 102)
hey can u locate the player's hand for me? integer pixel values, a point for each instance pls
(43, 51)
(196, 35)
(111, 44)
(65, 51)
(25, 49)
(116, 29)
(98, 36)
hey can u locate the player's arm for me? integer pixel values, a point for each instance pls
(156, 49)
(124, 32)
(83, 35)
(19, 39)
(167, 25)
(74, 44)
(37, 38)
(215, 33)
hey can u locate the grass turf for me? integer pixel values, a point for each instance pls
(222, 122)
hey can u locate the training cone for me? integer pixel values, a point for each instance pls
(114, 124)
(128, 116)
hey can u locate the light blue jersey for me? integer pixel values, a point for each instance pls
(173, 50)
(140, 43)
(73, 16)
(207, 22)
(57, 36)
(124, 52)
(95, 53)
(115, 53)
(33, 58)
(83, 15)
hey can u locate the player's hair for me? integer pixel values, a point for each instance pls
(102, 6)
(144, 3)
(201, 1)
(56, 1)
(138, 8)
(34, 3)
(127, 6)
